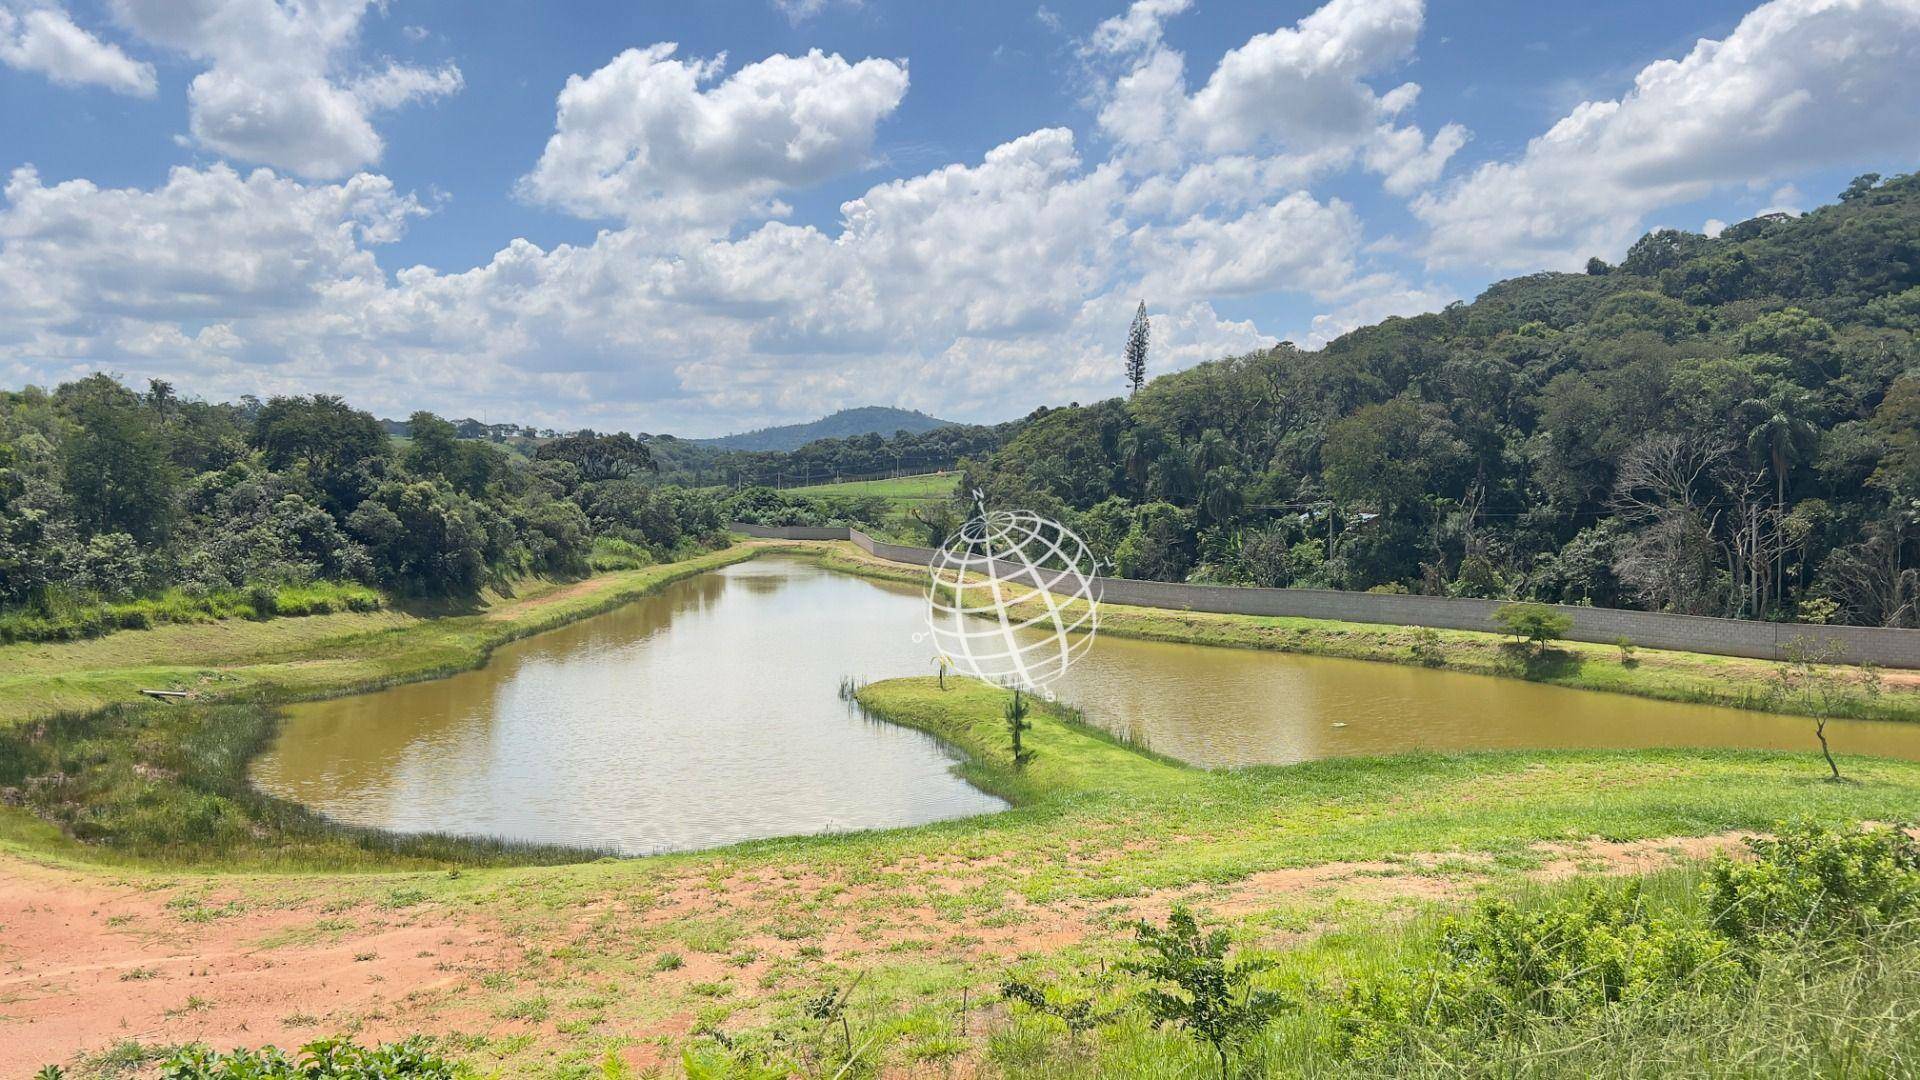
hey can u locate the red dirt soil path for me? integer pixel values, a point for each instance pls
(86, 962)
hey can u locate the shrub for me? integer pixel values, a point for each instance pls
(263, 599)
(1816, 883)
(613, 553)
(328, 1059)
(1077, 1012)
(1018, 724)
(1199, 987)
(1427, 648)
(1506, 966)
(1818, 610)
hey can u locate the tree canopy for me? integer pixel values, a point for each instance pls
(1719, 425)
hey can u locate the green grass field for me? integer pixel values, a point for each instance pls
(926, 487)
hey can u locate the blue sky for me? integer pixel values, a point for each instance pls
(668, 245)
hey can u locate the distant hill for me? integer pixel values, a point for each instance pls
(868, 420)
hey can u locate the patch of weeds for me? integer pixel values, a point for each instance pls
(710, 935)
(937, 1048)
(668, 961)
(533, 1010)
(124, 1058)
(194, 910)
(403, 898)
(795, 929)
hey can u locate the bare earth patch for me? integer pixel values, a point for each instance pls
(87, 961)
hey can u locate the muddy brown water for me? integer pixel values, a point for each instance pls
(708, 714)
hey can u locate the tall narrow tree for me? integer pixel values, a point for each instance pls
(1137, 336)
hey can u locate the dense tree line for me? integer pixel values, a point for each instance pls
(826, 460)
(1719, 426)
(109, 494)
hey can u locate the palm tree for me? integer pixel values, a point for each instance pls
(1213, 450)
(1782, 433)
(1173, 476)
(1139, 446)
(944, 664)
(1220, 497)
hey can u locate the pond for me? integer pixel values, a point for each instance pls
(709, 713)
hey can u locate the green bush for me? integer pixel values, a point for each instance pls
(1427, 648)
(327, 1059)
(1536, 623)
(613, 553)
(1505, 967)
(263, 600)
(1508, 976)
(1817, 883)
(1195, 984)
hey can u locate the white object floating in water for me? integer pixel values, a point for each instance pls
(1339, 723)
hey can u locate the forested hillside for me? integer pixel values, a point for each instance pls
(824, 460)
(845, 424)
(123, 508)
(1717, 426)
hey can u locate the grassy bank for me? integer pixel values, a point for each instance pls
(165, 783)
(66, 619)
(1698, 678)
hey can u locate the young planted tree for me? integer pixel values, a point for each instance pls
(1138, 336)
(1810, 671)
(1537, 624)
(1017, 723)
(1198, 986)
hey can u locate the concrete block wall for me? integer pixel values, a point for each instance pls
(1884, 646)
(791, 532)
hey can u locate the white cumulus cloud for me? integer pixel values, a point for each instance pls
(1797, 84)
(1295, 244)
(279, 87)
(45, 39)
(1298, 93)
(649, 138)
